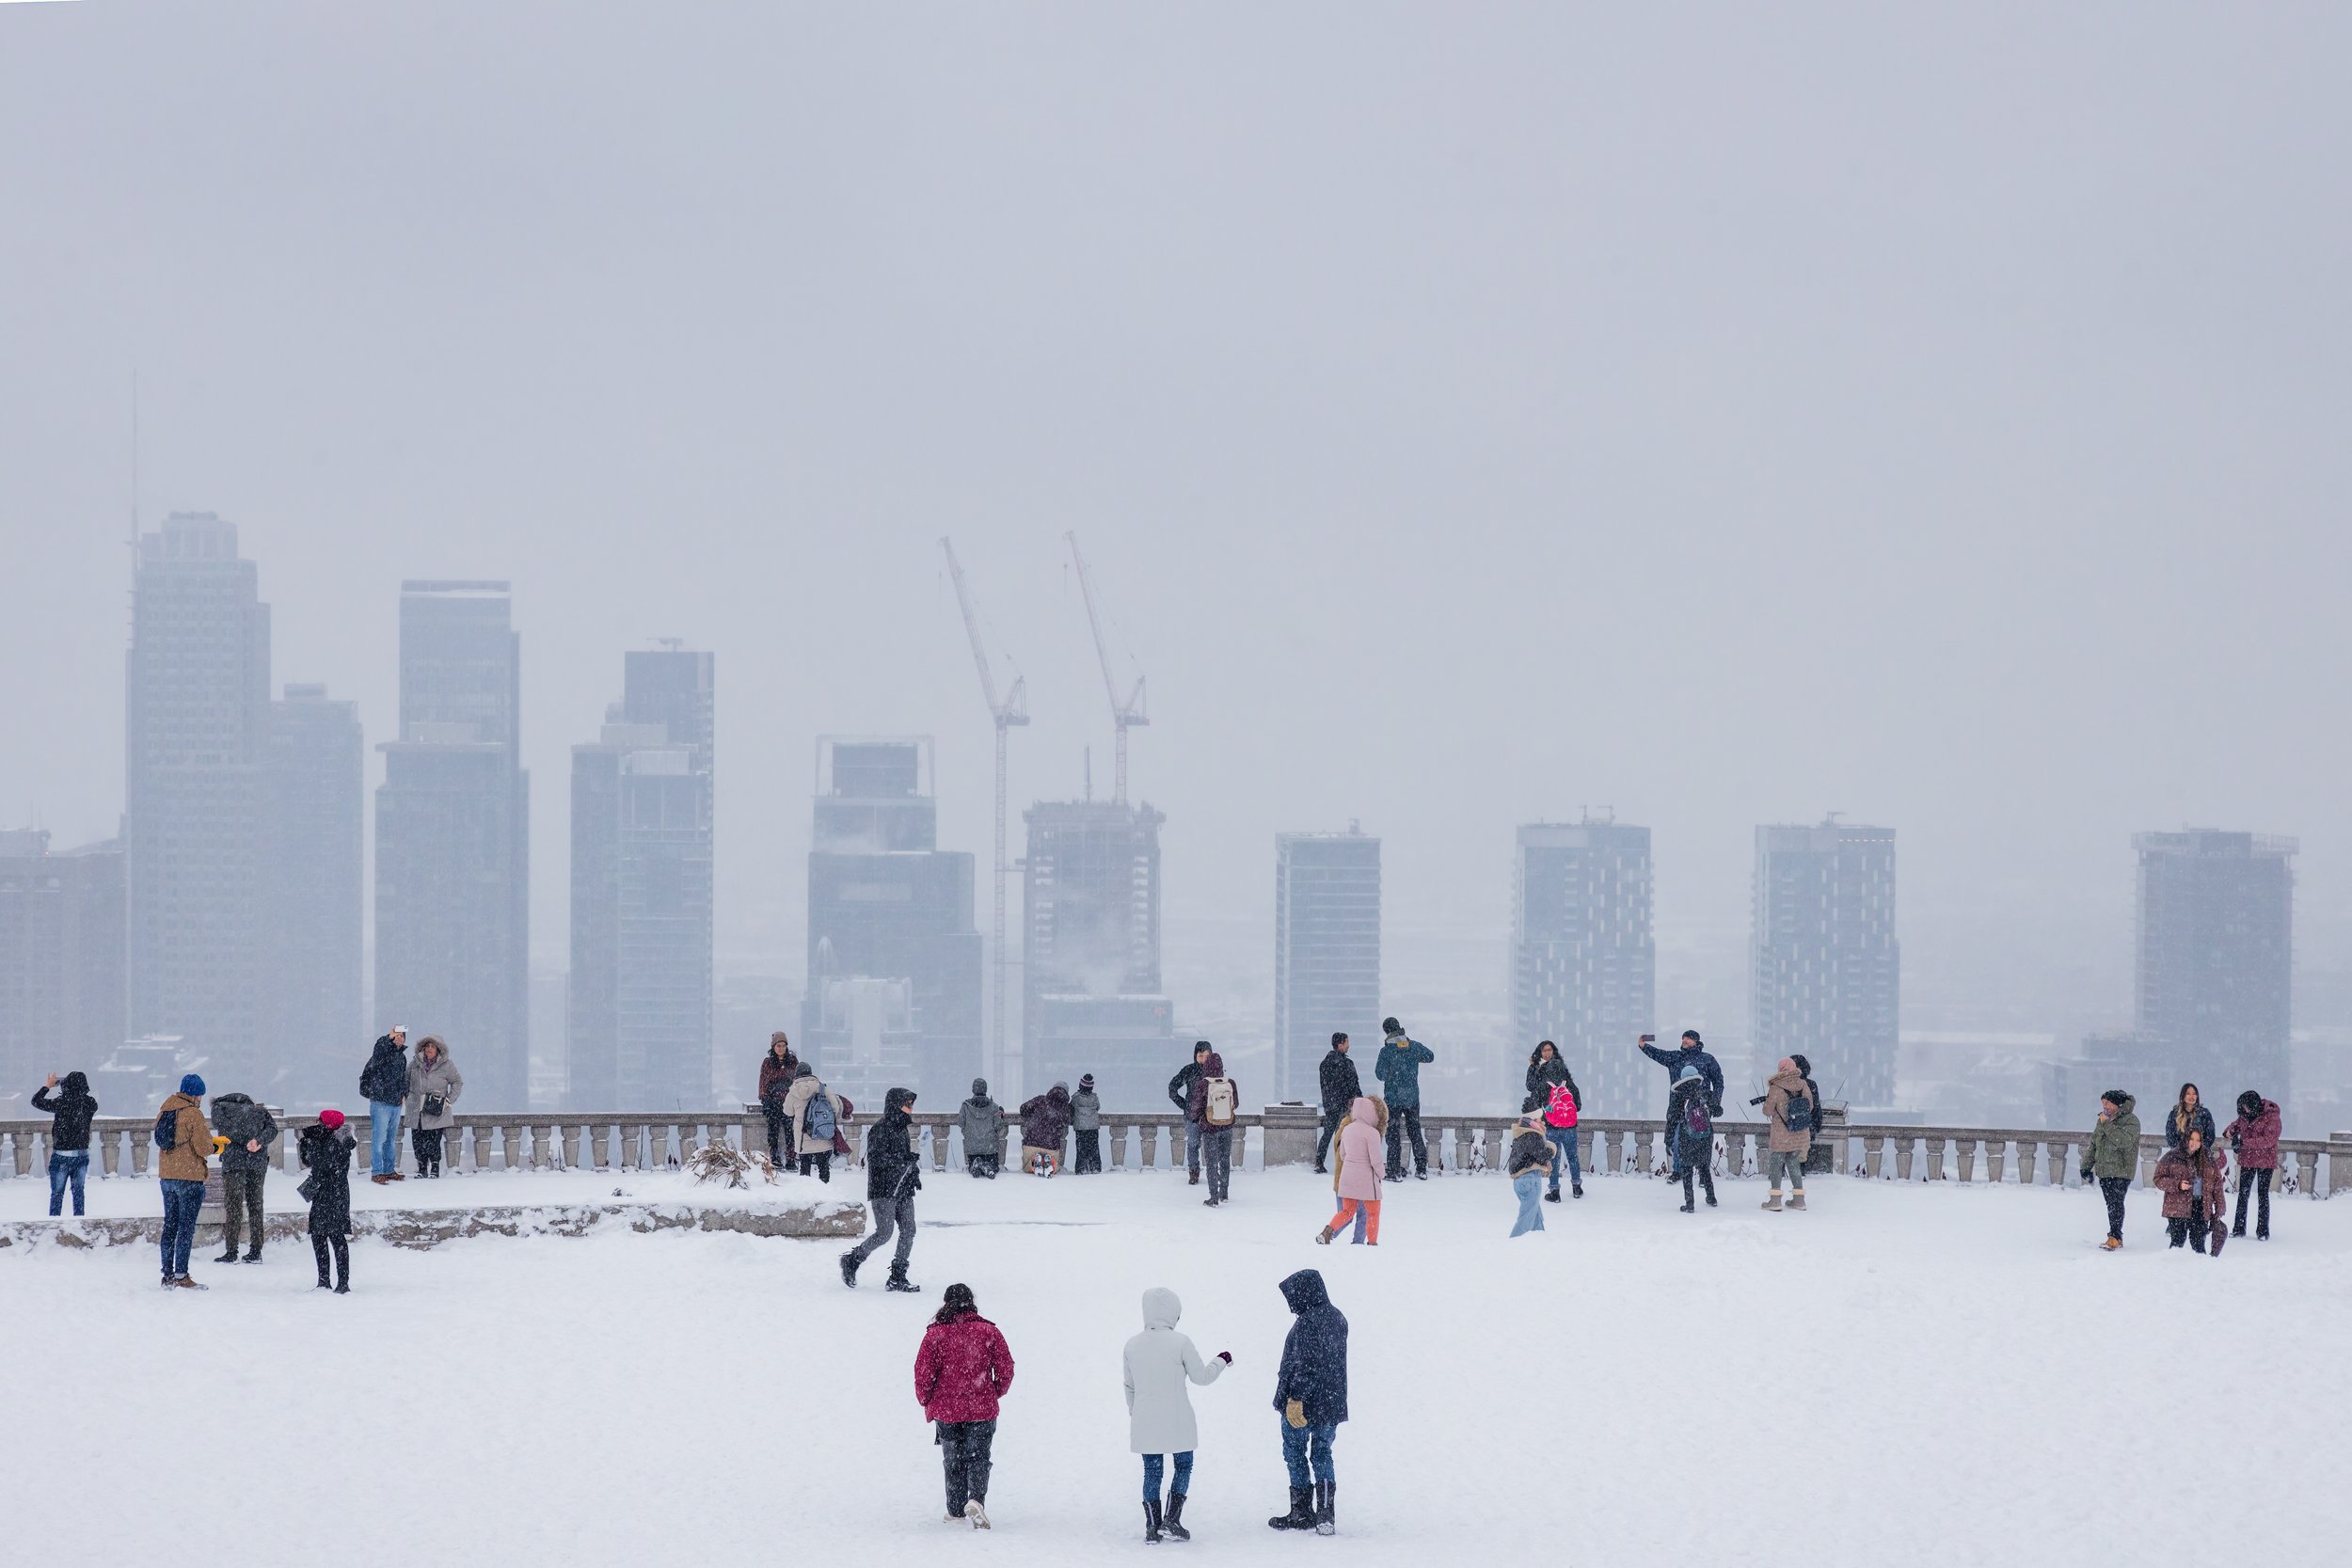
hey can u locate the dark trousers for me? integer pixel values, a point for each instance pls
(1216, 1153)
(985, 1166)
(821, 1164)
(1090, 1153)
(1332, 1117)
(1404, 1120)
(889, 1217)
(1704, 1171)
(182, 1199)
(2112, 1188)
(2247, 1180)
(964, 1448)
(426, 1143)
(241, 1199)
(773, 1111)
(2192, 1230)
(319, 1245)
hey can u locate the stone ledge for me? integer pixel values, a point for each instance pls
(421, 1228)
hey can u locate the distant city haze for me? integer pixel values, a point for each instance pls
(1471, 417)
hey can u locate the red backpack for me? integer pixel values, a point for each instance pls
(1561, 1112)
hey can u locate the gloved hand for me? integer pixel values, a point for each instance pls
(2086, 1176)
(1226, 1356)
(220, 1143)
(1296, 1414)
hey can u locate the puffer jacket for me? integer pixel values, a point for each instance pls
(74, 1109)
(325, 1153)
(1357, 1151)
(438, 1076)
(1212, 1067)
(2113, 1153)
(982, 1123)
(1086, 1111)
(2256, 1139)
(1783, 1139)
(963, 1370)
(2177, 1175)
(1314, 1353)
(2178, 1127)
(236, 1117)
(892, 1171)
(776, 1076)
(1530, 1151)
(1045, 1119)
(188, 1158)
(385, 1079)
(1161, 1364)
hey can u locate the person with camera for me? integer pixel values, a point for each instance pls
(72, 1109)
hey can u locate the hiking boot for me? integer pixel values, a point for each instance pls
(1209, 1202)
(229, 1257)
(1553, 1197)
(900, 1283)
(1192, 1178)
(1324, 1523)
(1301, 1515)
(1771, 1204)
(187, 1284)
(1323, 1237)
(979, 1515)
(1688, 1207)
(1711, 1200)
(1174, 1523)
(1152, 1521)
(1577, 1190)
(1796, 1200)
(848, 1270)
(2111, 1244)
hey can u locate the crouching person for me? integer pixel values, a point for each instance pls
(1310, 1391)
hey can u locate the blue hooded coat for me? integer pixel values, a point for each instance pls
(1314, 1356)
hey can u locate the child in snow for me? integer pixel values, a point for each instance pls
(2112, 1158)
(983, 1124)
(2253, 1137)
(960, 1372)
(325, 1149)
(1357, 1178)
(1530, 1164)
(1085, 1125)
(1160, 1365)
(2190, 1179)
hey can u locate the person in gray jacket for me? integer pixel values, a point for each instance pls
(1085, 1121)
(252, 1134)
(982, 1123)
(433, 1085)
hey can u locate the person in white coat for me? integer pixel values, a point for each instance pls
(1160, 1363)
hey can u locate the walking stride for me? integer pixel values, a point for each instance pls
(892, 1180)
(963, 1370)
(1160, 1365)
(1358, 1179)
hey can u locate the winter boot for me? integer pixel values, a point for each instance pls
(1771, 1204)
(2111, 1244)
(1577, 1190)
(1324, 1523)
(1323, 1237)
(254, 1256)
(1687, 1207)
(1174, 1523)
(1301, 1515)
(978, 1513)
(1151, 1522)
(1796, 1200)
(848, 1270)
(900, 1283)
(1552, 1195)
(1194, 1179)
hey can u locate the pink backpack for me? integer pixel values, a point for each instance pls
(1561, 1112)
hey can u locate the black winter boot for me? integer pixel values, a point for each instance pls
(1151, 1522)
(1301, 1515)
(1324, 1523)
(848, 1270)
(901, 1284)
(1174, 1523)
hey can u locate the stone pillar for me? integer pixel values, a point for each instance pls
(2151, 1150)
(1115, 1142)
(109, 1149)
(2339, 1165)
(143, 1139)
(1904, 1146)
(2024, 1162)
(1967, 1160)
(1935, 1159)
(1643, 1143)
(1995, 1157)
(1828, 1152)
(1148, 1155)
(1873, 1155)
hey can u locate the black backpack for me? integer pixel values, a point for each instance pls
(168, 1128)
(1797, 1115)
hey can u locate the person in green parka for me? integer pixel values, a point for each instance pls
(2112, 1157)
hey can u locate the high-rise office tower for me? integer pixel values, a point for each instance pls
(62, 944)
(2215, 960)
(452, 821)
(893, 959)
(1326, 954)
(1092, 997)
(1825, 972)
(637, 1032)
(194, 751)
(317, 793)
(1584, 959)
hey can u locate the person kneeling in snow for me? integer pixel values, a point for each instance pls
(1310, 1391)
(1159, 1363)
(983, 1124)
(963, 1368)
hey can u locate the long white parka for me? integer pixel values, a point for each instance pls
(1160, 1361)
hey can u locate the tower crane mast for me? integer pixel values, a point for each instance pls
(1124, 713)
(1014, 709)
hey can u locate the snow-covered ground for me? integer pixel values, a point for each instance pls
(1902, 1374)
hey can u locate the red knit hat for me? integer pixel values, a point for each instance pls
(330, 1119)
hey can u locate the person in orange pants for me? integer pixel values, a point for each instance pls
(1356, 1159)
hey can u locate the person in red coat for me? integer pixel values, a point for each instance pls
(963, 1370)
(2256, 1137)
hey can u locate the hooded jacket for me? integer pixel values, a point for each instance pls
(1357, 1151)
(963, 1368)
(325, 1153)
(1689, 1145)
(891, 1170)
(2255, 1138)
(1398, 1067)
(1698, 1058)
(776, 1076)
(1086, 1111)
(1315, 1355)
(1045, 1119)
(385, 1079)
(1783, 1139)
(1338, 1080)
(807, 1086)
(438, 1076)
(73, 1109)
(2113, 1153)
(1197, 1109)
(236, 1117)
(185, 1160)
(1179, 1087)
(983, 1124)
(1161, 1364)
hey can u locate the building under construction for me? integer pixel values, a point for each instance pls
(1092, 1000)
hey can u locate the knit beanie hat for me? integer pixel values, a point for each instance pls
(192, 1086)
(330, 1119)
(1086, 1080)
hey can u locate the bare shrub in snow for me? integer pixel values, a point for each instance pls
(713, 1162)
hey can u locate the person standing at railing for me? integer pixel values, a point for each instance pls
(1086, 1127)
(2112, 1157)
(1398, 1067)
(2254, 1136)
(777, 1069)
(384, 1085)
(1553, 1091)
(1180, 1091)
(1340, 1087)
(983, 1125)
(819, 1115)
(893, 1178)
(433, 1085)
(72, 1109)
(1791, 1112)
(2189, 1114)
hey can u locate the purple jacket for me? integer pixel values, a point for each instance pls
(2257, 1140)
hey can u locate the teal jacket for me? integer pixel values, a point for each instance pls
(1398, 1067)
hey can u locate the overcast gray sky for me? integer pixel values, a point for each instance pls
(1473, 412)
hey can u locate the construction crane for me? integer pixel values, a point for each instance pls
(1122, 713)
(1013, 710)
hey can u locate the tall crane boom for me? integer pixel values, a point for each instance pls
(1013, 710)
(1124, 714)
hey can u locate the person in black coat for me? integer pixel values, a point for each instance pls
(252, 1134)
(383, 1082)
(1691, 1134)
(1310, 1391)
(1341, 1088)
(1545, 1072)
(72, 1109)
(892, 1177)
(1180, 1090)
(325, 1149)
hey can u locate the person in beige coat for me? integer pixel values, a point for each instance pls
(815, 1144)
(433, 1085)
(1790, 1110)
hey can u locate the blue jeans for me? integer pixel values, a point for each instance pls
(383, 1137)
(1192, 1147)
(1563, 1144)
(1151, 1475)
(1301, 1445)
(182, 1199)
(64, 1168)
(1529, 1185)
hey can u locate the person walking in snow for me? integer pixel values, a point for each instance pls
(186, 1140)
(1044, 1127)
(1530, 1163)
(1690, 1136)
(71, 1108)
(1789, 1113)
(892, 1180)
(2112, 1157)
(2253, 1137)
(1552, 1092)
(1086, 1127)
(433, 1085)
(1160, 1367)
(982, 1121)
(819, 1115)
(325, 1149)
(1180, 1091)
(2189, 1114)
(1336, 1079)
(1310, 1392)
(1358, 1179)
(384, 1085)
(1398, 1067)
(252, 1133)
(777, 1070)
(963, 1370)
(2190, 1177)
(1216, 1100)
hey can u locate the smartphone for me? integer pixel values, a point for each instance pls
(1649, 1040)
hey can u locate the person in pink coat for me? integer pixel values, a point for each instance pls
(1357, 1155)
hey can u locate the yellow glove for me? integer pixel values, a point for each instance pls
(220, 1143)
(1295, 1413)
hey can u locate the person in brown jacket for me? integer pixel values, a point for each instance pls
(181, 1167)
(2191, 1176)
(1790, 1110)
(776, 1069)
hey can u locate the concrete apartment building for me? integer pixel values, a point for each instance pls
(1585, 959)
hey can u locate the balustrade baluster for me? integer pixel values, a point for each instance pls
(1115, 1133)
(1996, 1157)
(1644, 1163)
(1873, 1155)
(1905, 1145)
(141, 1139)
(1935, 1159)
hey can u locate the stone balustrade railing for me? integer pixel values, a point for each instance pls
(1281, 1135)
